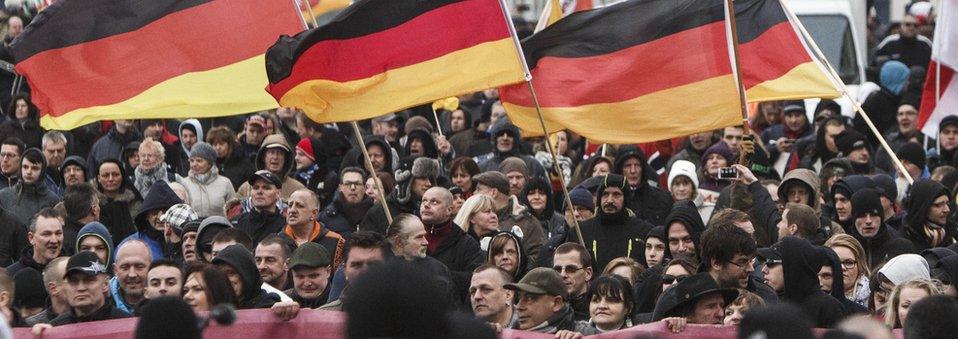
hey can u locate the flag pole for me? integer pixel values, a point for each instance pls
(359, 136)
(837, 80)
(732, 33)
(545, 131)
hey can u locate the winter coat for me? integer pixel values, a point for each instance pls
(259, 224)
(110, 145)
(882, 108)
(26, 260)
(290, 185)
(333, 242)
(533, 238)
(461, 254)
(879, 247)
(106, 312)
(769, 215)
(117, 213)
(13, 239)
(161, 196)
(801, 262)
(23, 201)
(553, 224)
(491, 161)
(914, 51)
(95, 229)
(28, 131)
(838, 285)
(920, 199)
(562, 320)
(375, 219)
(235, 168)
(609, 236)
(207, 196)
(344, 219)
(774, 132)
(648, 202)
(252, 296)
(685, 213)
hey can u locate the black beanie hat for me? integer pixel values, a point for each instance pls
(914, 153)
(849, 140)
(167, 317)
(866, 200)
(776, 321)
(28, 289)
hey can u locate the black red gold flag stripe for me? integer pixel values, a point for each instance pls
(112, 59)
(379, 57)
(632, 72)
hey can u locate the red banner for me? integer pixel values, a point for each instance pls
(328, 324)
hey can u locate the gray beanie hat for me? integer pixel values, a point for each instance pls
(204, 151)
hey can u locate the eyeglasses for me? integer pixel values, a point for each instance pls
(568, 268)
(744, 263)
(8, 155)
(849, 264)
(668, 279)
(352, 185)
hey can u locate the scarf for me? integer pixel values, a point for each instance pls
(207, 177)
(144, 178)
(308, 173)
(935, 234)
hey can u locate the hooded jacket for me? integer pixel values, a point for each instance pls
(684, 212)
(491, 161)
(184, 156)
(612, 235)
(847, 186)
(290, 185)
(553, 224)
(161, 196)
(523, 262)
(96, 229)
(354, 157)
(769, 215)
(241, 260)
(648, 202)
(801, 262)
(24, 200)
(822, 155)
(533, 238)
(881, 246)
(208, 193)
(428, 144)
(920, 199)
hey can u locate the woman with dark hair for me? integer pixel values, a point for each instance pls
(610, 308)
(593, 167)
(23, 121)
(505, 251)
(204, 286)
(229, 159)
(537, 195)
(119, 202)
(656, 279)
(461, 171)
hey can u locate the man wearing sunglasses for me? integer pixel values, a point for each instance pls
(728, 255)
(574, 265)
(907, 46)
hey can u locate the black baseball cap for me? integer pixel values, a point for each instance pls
(265, 175)
(770, 255)
(86, 262)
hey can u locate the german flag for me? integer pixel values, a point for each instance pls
(635, 71)
(115, 59)
(379, 57)
(776, 63)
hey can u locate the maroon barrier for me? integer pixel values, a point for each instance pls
(329, 324)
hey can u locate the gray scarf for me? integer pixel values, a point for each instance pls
(144, 178)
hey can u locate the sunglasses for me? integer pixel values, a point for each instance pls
(567, 268)
(668, 279)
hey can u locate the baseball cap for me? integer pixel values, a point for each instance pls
(310, 255)
(541, 280)
(86, 262)
(265, 175)
(770, 255)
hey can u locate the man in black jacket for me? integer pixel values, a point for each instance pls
(648, 202)
(876, 237)
(86, 288)
(926, 221)
(311, 271)
(617, 231)
(349, 203)
(448, 243)
(800, 262)
(728, 255)
(264, 218)
(238, 265)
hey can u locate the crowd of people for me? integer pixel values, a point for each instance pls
(448, 213)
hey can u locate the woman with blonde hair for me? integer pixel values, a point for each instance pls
(477, 217)
(624, 267)
(855, 270)
(906, 294)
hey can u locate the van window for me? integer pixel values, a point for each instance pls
(834, 38)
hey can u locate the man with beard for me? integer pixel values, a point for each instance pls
(926, 222)
(728, 254)
(45, 235)
(271, 255)
(491, 301)
(74, 171)
(131, 267)
(797, 280)
(617, 231)
(349, 204)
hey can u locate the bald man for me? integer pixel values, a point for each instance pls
(448, 243)
(131, 266)
(302, 225)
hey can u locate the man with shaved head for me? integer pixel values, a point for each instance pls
(132, 264)
(302, 225)
(448, 243)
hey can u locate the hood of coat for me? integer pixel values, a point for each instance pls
(804, 177)
(279, 142)
(523, 261)
(631, 151)
(241, 260)
(920, 198)
(78, 161)
(161, 196)
(196, 127)
(687, 214)
(801, 262)
(96, 229)
(428, 144)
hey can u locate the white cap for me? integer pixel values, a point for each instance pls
(683, 167)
